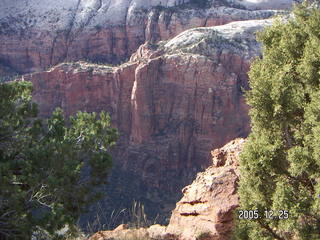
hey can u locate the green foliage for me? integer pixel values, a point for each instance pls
(204, 236)
(98, 27)
(280, 164)
(43, 185)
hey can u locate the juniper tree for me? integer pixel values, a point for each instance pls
(280, 164)
(42, 183)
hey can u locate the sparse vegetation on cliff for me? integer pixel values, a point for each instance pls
(280, 167)
(50, 170)
(133, 218)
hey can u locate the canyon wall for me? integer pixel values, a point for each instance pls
(37, 34)
(172, 103)
(174, 95)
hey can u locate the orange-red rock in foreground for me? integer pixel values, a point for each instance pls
(206, 208)
(208, 203)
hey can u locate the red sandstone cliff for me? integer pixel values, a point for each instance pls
(206, 209)
(172, 103)
(36, 34)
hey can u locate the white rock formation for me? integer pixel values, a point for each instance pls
(58, 14)
(44, 13)
(235, 37)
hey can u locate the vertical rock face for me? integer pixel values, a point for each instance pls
(36, 34)
(206, 209)
(87, 87)
(172, 103)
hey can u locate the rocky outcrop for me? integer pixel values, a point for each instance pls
(35, 34)
(207, 205)
(206, 208)
(172, 103)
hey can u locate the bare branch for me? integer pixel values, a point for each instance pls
(270, 230)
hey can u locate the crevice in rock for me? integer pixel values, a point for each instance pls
(194, 213)
(126, 30)
(52, 49)
(194, 202)
(206, 21)
(99, 6)
(71, 25)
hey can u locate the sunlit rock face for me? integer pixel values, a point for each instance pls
(37, 34)
(208, 204)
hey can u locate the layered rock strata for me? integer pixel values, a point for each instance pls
(206, 209)
(35, 34)
(172, 103)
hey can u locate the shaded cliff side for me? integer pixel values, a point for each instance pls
(35, 34)
(172, 103)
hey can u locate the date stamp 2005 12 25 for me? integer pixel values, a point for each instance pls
(267, 214)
